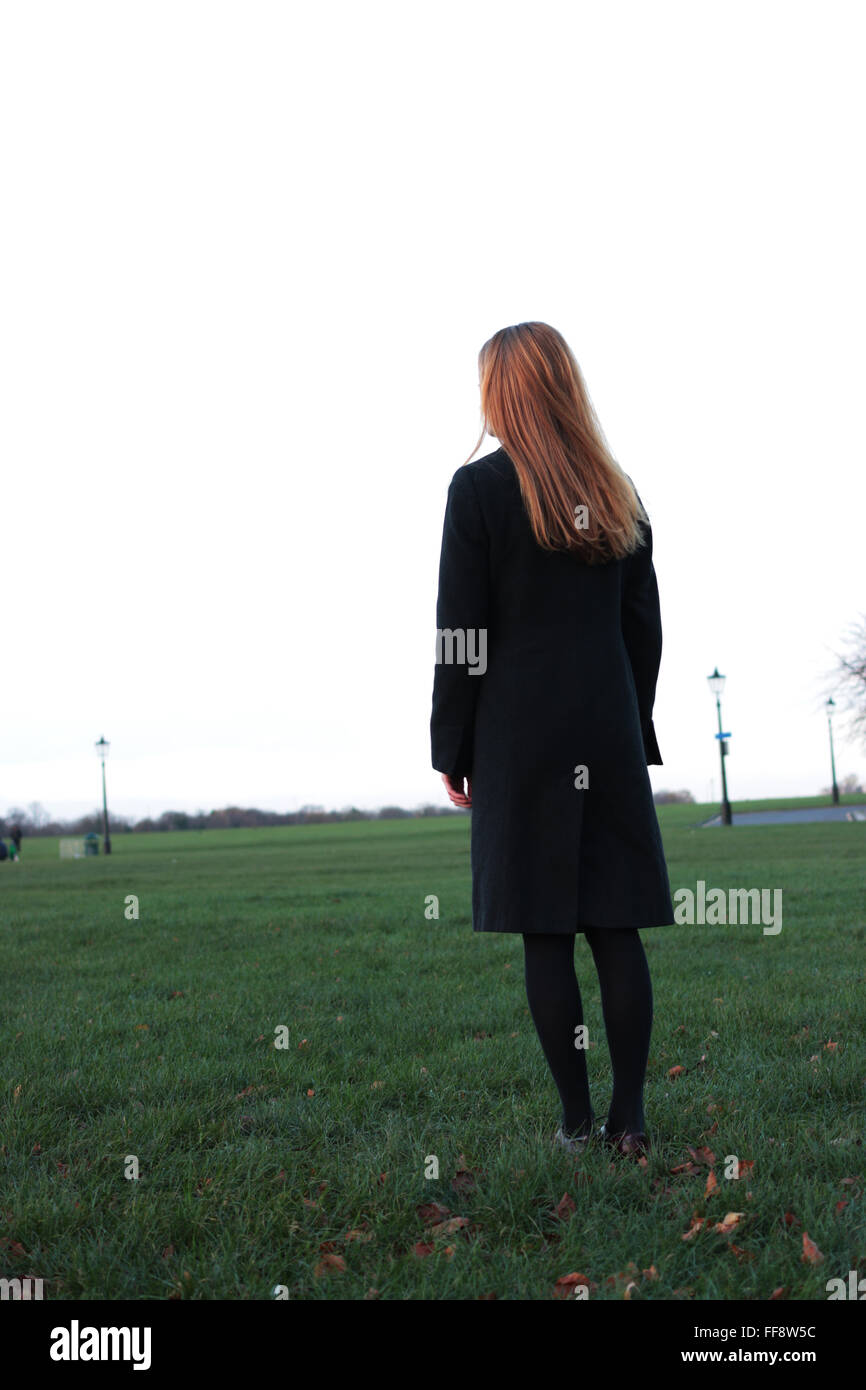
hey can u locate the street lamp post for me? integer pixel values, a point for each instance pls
(830, 706)
(717, 685)
(102, 749)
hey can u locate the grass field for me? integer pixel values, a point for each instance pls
(304, 1165)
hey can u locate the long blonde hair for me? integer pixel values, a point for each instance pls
(535, 402)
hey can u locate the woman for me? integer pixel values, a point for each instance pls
(548, 649)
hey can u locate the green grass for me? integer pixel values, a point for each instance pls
(155, 1038)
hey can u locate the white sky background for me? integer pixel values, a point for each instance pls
(251, 253)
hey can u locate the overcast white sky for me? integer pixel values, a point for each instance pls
(251, 253)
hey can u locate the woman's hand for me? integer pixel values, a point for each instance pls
(454, 788)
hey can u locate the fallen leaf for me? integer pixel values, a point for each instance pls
(676, 1071)
(702, 1155)
(712, 1184)
(432, 1211)
(566, 1282)
(331, 1264)
(422, 1248)
(464, 1178)
(447, 1228)
(811, 1254)
(731, 1221)
(565, 1207)
(778, 1293)
(696, 1224)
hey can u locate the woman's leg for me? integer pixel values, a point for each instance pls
(555, 1004)
(627, 1006)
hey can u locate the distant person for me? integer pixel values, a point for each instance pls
(4, 853)
(546, 581)
(15, 837)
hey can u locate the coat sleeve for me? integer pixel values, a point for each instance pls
(642, 634)
(462, 608)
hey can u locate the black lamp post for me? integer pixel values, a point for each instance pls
(102, 749)
(830, 706)
(717, 685)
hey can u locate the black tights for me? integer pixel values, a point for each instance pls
(557, 1011)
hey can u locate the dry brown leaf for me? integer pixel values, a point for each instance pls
(447, 1228)
(731, 1221)
(464, 1178)
(702, 1155)
(566, 1282)
(811, 1254)
(429, 1212)
(565, 1207)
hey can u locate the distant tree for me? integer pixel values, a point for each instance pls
(665, 798)
(849, 786)
(848, 680)
(394, 813)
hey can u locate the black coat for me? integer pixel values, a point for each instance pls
(572, 658)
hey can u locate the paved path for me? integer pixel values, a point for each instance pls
(813, 813)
